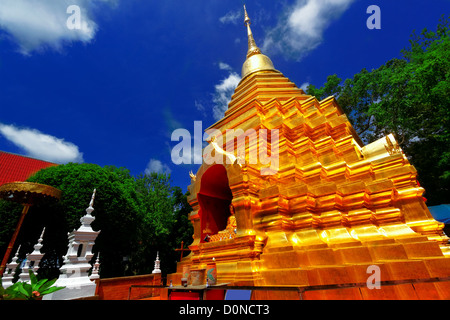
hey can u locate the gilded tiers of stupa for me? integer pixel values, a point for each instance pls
(331, 209)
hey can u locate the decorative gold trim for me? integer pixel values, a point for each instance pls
(28, 192)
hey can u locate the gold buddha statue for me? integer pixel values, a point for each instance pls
(231, 222)
(230, 230)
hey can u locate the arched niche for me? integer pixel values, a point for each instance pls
(214, 199)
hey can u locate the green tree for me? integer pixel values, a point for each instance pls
(409, 97)
(136, 216)
(182, 229)
(117, 210)
(331, 87)
(164, 225)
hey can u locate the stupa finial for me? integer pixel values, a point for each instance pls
(91, 204)
(246, 18)
(252, 47)
(87, 219)
(255, 61)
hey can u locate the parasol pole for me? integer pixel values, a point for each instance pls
(13, 238)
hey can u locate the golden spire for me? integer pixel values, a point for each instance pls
(255, 61)
(252, 47)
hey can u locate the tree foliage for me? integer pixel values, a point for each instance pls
(410, 98)
(165, 222)
(137, 216)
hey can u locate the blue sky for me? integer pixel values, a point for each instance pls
(112, 91)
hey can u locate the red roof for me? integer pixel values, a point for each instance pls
(14, 167)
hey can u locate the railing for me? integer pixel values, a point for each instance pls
(302, 289)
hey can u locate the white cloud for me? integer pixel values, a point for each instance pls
(39, 24)
(40, 145)
(157, 166)
(232, 17)
(301, 29)
(223, 92)
(224, 66)
(304, 86)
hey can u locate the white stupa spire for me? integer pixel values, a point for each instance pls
(87, 219)
(36, 255)
(10, 267)
(74, 271)
(95, 269)
(157, 264)
(33, 259)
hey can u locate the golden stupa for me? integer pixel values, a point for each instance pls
(330, 210)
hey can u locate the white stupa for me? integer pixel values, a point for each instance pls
(10, 271)
(32, 260)
(74, 272)
(157, 264)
